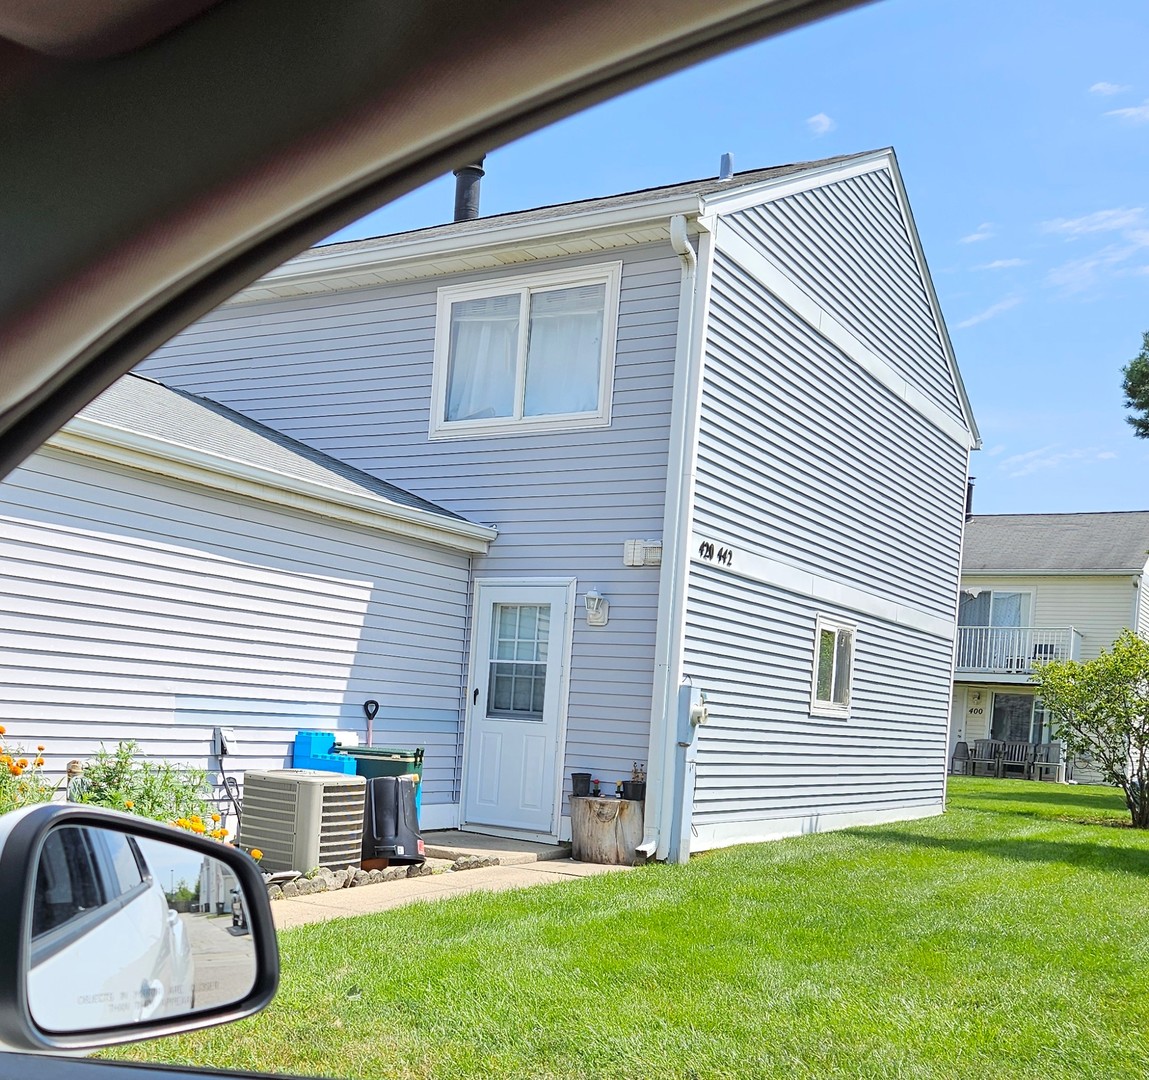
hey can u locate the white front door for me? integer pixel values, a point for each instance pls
(516, 704)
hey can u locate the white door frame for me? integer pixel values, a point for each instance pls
(563, 689)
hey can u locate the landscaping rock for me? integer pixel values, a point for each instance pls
(351, 871)
(362, 877)
(275, 892)
(291, 889)
(418, 870)
(339, 879)
(394, 873)
(376, 876)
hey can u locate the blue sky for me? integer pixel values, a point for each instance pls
(1022, 131)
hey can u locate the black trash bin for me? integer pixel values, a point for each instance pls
(390, 823)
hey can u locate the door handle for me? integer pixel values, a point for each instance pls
(475, 698)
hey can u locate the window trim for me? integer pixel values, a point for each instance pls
(608, 274)
(819, 707)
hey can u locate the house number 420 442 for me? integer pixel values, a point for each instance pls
(724, 556)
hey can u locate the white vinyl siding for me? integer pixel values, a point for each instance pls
(141, 609)
(763, 757)
(806, 458)
(847, 245)
(350, 374)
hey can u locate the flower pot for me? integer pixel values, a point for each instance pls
(634, 789)
(580, 784)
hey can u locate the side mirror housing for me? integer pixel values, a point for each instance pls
(124, 929)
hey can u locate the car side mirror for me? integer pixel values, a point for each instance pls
(125, 929)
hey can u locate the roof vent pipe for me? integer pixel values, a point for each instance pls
(467, 190)
(726, 167)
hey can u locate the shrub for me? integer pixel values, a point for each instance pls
(22, 780)
(162, 791)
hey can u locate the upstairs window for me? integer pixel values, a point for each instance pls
(833, 667)
(522, 354)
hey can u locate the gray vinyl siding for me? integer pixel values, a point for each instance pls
(806, 458)
(350, 374)
(136, 608)
(763, 756)
(847, 245)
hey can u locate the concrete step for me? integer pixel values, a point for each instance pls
(454, 844)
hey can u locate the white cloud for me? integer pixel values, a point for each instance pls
(1135, 114)
(983, 232)
(1050, 457)
(1108, 89)
(994, 451)
(820, 124)
(1002, 264)
(990, 312)
(1098, 221)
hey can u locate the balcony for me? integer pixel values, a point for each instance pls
(1013, 650)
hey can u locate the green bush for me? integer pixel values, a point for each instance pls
(162, 791)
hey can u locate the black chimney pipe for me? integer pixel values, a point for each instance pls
(467, 190)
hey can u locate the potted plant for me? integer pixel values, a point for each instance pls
(635, 787)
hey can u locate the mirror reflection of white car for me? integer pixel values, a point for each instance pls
(96, 899)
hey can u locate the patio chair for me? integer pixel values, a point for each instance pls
(1017, 756)
(960, 758)
(986, 753)
(1047, 758)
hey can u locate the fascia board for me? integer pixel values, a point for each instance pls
(319, 266)
(781, 187)
(217, 472)
(932, 297)
(1076, 572)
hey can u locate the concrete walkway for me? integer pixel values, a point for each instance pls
(521, 865)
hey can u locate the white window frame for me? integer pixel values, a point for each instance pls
(609, 274)
(819, 707)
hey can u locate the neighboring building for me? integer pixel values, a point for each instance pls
(710, 435)
(1040, 587)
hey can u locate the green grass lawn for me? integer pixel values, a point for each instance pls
(1008, 938)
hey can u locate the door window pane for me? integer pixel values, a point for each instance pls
(518, 661)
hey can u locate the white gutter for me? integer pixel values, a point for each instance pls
(220, 473)
(676, 534)
(323, 265)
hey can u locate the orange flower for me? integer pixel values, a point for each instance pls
(23, 763)
(40, 748)
(128, 804)
(3, 730)
(15, 770)
(256, 854)
(215, 818)
(39, 762)
(197, 827)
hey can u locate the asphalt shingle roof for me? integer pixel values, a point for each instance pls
(1117, 540)
(146, 407)
(559, 210)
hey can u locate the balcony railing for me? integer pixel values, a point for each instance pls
(1013, 650)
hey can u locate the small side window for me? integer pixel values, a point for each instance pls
(833, 667)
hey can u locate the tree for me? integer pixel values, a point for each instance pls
(1101, 710)
(1136, 387)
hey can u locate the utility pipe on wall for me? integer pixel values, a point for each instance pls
(662, 795)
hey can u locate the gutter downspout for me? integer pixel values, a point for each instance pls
(662, 798)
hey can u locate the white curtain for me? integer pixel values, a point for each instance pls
(481, 366)
(564, 356)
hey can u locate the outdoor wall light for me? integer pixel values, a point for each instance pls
(597, 608)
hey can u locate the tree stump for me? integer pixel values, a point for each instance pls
(605, 830)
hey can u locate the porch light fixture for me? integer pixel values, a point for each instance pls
(597, 608)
